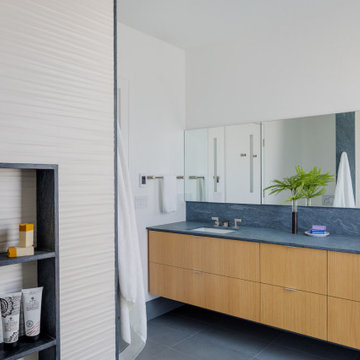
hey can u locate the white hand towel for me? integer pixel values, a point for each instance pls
(201, 189)
(344, 195)
(169, 194)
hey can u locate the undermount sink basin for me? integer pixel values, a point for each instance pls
(213, 230)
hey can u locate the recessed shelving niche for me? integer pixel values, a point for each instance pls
(46, 258)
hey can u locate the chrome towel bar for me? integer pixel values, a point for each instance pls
(196, 177)
(152, 177)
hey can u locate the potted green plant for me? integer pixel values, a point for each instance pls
(294, 184)
(302, 185)
(315, 182)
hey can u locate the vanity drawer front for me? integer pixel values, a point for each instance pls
(176, 283)
(234, 258)
(344, 275)
(232, 296)
(239, 259)
(172, 249)
(298, 311)
(240, 298)
(294, 267)
(344, 322)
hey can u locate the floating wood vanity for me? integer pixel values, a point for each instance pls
(308, 291)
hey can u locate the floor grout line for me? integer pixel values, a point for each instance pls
(187, 355)
(307, 353)
(192, 326)
(266, 346)
(187, 338)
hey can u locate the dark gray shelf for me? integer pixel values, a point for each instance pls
(47, 260)
(26, 348)
(25, 166)
(39, 255)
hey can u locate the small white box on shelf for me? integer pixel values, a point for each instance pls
(26, 235)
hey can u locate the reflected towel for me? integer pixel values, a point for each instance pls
(169, 194)
(344, 195)
(201, 189)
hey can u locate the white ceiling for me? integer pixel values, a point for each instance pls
(194, 23)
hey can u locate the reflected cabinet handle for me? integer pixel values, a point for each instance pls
(216, 177)
(251, 140)
(243, 155)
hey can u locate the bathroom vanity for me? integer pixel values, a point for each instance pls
(305, 285)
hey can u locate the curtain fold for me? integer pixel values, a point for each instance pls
(133, 322)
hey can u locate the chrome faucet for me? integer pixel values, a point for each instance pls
(236, 223)
(216, 219)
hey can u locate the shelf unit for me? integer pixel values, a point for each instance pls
(47, 258)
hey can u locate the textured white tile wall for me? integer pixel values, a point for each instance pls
(56, 106)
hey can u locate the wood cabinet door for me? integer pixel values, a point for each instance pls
(231, 296)
(172, 249)
(240, 298)
(234, 258)
(344, 275)
(176, 284)
(294, 267)
(239, 259)
(344, 322)
(298, 311)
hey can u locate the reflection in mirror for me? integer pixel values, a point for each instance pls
(242, 164)
(204, 165)
(308, 142)
(223, 164)
(235, 164)
(312, 141)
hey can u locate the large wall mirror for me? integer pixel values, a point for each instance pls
(234, 164)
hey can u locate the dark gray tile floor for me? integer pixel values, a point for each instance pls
(190, 333)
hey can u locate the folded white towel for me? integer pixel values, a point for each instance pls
(344, 194)
(169, 194)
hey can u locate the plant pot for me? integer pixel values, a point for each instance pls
(294, 226)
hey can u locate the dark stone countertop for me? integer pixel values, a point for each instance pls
(343, 243)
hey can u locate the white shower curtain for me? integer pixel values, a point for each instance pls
(133, 327)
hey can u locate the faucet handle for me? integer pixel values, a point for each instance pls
(237, 222)
(216, 219)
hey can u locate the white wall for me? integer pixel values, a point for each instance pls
(301, 65)
(155, 72)
(56, 106)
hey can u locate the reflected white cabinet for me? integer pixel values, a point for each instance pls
(205, 165)
(243, 163)
(216, 179)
